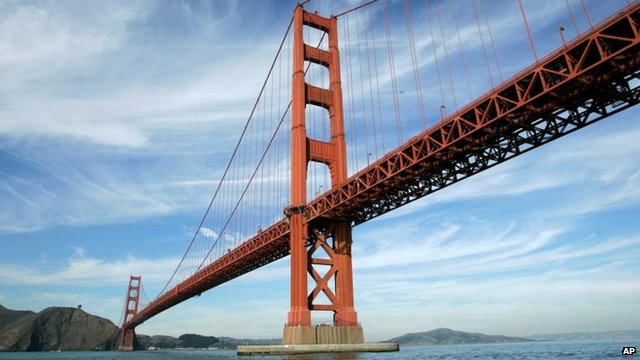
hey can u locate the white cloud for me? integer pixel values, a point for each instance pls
(87, 271)
(551, 301)
(206, 232)
(43, 38)
(249, 319)
(106, 129)
(95, 82)
(600, 158)
(100, 304)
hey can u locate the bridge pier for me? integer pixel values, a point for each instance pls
(127, 341)
(322, 334)
(328, 262)
(320, 251)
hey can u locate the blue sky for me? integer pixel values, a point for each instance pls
(117, 119)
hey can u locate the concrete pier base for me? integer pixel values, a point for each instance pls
(322, 334)
(127, 340)
(244, 350)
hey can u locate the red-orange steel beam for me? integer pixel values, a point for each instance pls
(587, 80)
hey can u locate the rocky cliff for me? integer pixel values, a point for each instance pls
(55, 328)
(7, 316)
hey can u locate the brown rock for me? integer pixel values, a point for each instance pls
(59, 328)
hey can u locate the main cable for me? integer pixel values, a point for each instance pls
(235, 150)
(258, 165)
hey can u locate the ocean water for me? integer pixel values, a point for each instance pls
(551, 350)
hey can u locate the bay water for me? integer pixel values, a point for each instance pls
(546, 350)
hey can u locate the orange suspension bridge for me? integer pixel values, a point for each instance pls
(344, 130)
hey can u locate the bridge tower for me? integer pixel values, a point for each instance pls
(128, 336)
(330, 273)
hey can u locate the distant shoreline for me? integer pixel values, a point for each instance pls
(72, 329)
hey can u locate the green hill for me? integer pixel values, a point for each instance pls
(445, 336)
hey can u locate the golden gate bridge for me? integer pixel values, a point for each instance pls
(348, 126)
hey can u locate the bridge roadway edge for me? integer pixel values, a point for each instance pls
(245, 350)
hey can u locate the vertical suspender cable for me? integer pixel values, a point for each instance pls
(586, 13)
(270, 178)
(349, 70)
(261, 180)
(493, 43)
(394, 85)
(526, 24)
(414, 60)
(446, 56)
(464, 58)
(375, 66)
(362, 97)
(435, 54)
(573, 18)
(233, 155)
(373, 113)
(484, 49)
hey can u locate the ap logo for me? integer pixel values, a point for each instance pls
(629, 350)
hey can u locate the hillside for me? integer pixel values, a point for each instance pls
(444, 336)
(196, 341)
(68, 329)
(8, 316)
(184, 341)
(55, 328)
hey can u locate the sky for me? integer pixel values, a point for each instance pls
(117, 119)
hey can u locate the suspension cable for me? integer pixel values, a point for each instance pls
(375, 67)
(235, 151)
(493, 43)
(355, 8)
(586, 12)
(371, 103)
(526, 24)
(414, 60)
(573, 18)
(394, 85)
(484, 50)
(255, 171)
(363, 102)
(446, 57)
(435, 54)
(464, 58)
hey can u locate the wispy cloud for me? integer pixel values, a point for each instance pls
(554, 301)
(79, 269)
(89, 98)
